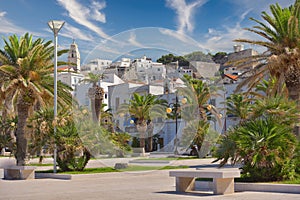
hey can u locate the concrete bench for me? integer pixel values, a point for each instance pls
(223, 179)
(19, 172)
(139, 152)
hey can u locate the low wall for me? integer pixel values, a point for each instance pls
(257, 187)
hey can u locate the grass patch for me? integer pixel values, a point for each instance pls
(85, 171)
(110, 169)
(40, 164)
(170, 158)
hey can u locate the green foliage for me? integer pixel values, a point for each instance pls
(199, 114)
(7, 129)
(121, 140)
(71, 154)
(165, 59)
(280, 32)
(220, 57)
(143, 109)
(238, 106)
(198, 56)
(264, 147)
(27, 84)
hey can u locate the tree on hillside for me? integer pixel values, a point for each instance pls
(26, 70)
(199, 56)
(220, 57)
(165, 59)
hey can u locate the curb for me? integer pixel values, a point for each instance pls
(53, 176)
(255, 187)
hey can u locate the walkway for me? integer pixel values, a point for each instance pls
(114, 186)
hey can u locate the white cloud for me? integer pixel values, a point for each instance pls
(257, 6)
(223, 38)
(2, 14)
(8, 27)
(132, 40)
(97, 15)
(75, 33)
(185, 13)
(82, 15)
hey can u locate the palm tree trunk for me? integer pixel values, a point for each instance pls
(93, 109)
(98, 105)
(23, 113)
(142, 128)
(150, 142)
(150, 136)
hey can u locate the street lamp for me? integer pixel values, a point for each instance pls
(175, 106)
(55, 26)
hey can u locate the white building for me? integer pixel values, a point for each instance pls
(81, 92)
(96, 66)
(148, 71)
(70, 78)
(122, 66)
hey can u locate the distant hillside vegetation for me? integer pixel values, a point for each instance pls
(199, 56)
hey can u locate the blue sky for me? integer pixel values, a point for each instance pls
(112, 28)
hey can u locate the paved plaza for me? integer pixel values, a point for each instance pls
(119, 185)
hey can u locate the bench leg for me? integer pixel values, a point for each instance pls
(223, 185)
(185, 184)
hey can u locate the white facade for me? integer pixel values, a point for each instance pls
(148, 71)
(95, 66)
(70, 78)
(81, 92)
(182, 71)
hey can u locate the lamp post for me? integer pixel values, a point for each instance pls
(175, 106)
(55, 26)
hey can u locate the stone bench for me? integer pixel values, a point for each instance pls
(19, 172)
(223, 179)
(139, 152)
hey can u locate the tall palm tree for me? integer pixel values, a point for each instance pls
(198, 112)
(27, 67)
(144, 109)
(281, 33)
(95, 94)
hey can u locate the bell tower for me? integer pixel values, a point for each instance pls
(74, 57)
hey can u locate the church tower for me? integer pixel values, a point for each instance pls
(74, 57)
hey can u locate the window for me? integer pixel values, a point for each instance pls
(105, 95)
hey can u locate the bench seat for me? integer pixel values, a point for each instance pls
(19, 172)
(223, 179)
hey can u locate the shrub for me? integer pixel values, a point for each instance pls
(264, 147)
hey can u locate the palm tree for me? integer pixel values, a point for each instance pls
(95, 94)
(281, 33)
(143, 109)
(238, 106)
(198, 112)
(27, 67)
(264, 146)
